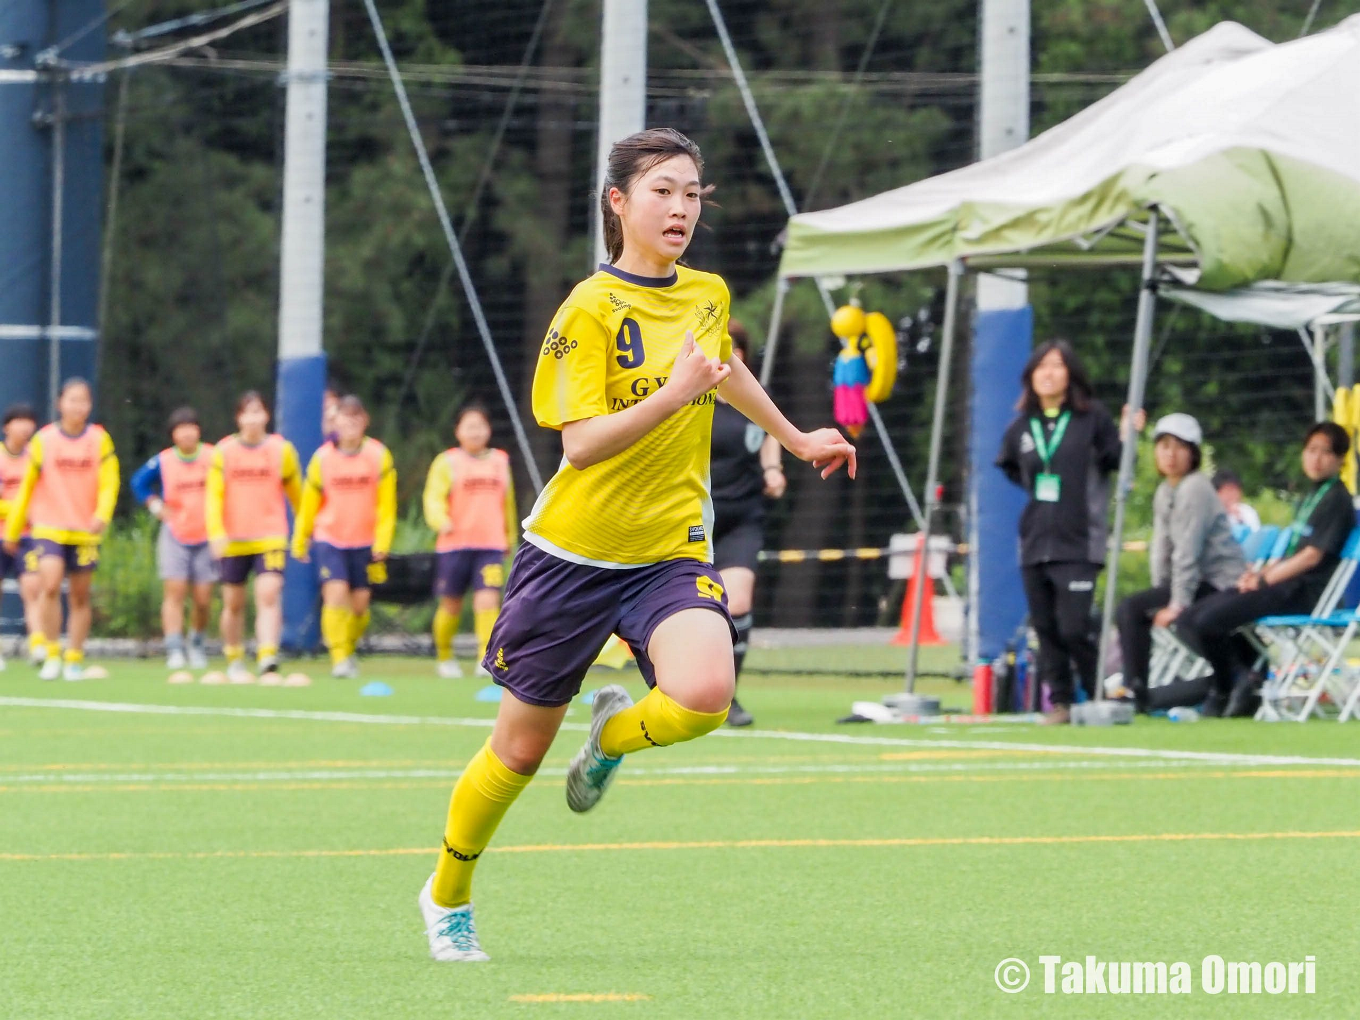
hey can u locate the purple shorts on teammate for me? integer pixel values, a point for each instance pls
(558, 615)
(353, 566)
(79, 559)
(460, 569)
(237, 569)
(25, 561)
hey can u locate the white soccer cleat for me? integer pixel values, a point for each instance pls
(452, 933)
(176, 659)
(592, 770)
(51, 668)
(198, 658)
(450, 670)
(37, 655)
(239, 673)
(481, 670)
(2, 663)
(345, 669)
(73, 671)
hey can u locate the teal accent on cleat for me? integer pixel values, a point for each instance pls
(451, 930)
(592, 770)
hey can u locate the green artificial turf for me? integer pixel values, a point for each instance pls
(215, 865)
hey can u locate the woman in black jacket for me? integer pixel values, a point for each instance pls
(1061, 449)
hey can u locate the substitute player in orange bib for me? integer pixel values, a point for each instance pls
(253, 479)
(20, 423)
(67, 496)
(470, 505)
(350, 501)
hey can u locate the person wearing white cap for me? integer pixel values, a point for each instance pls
(1193, 552)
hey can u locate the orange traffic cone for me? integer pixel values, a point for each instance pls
(929, 636)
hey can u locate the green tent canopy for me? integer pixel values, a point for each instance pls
(1249, 150)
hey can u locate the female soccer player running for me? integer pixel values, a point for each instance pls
(253, 479)
(470, 505)
(173, 487)
(20, 424)
(68, 495)
(350, 497)
(618, 541)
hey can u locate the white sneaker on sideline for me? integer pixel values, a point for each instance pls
(239, 673)
(51, 668)
(345, 669)
(175, 659)
(73, 671)
(37, 655)
(450, 670)
(198, 658)
(452, 934)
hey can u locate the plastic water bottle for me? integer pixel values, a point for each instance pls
(1182, 713)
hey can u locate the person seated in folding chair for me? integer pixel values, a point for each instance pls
(1322, 524)
(1193, 552)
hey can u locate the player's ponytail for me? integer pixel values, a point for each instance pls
(628, 160)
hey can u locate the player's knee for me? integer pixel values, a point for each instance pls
(709, 692)
(522, 753)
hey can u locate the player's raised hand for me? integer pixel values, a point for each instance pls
(694, 373)
(827, 449)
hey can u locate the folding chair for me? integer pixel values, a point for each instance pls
(1308, 649)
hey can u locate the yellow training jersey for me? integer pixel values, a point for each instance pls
(611, 345)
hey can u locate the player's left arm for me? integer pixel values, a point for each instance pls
(290, 473)
(110, 479)
(825, 448)
(386, 524)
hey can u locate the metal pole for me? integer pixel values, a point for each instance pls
(1142, 341)
(1319, 353)
(781, 288)
(58, 210)
(623, 89)
(951, 308)
(1345, 357)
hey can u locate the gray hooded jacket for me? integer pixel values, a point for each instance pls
(1192, 540)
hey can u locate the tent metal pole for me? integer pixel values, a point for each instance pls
(1320, 379)
(951, 310)
(1142, 341)
(781, 288)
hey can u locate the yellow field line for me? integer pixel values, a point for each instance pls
(581, 997)
(714, 844)
(443, 784)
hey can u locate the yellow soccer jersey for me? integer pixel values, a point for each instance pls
(612, 344)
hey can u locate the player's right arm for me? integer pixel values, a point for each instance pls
(435, 501)
(18, 514)
(312, 492)
(147, 485)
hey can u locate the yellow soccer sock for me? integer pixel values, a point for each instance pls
(336, 622)
(233, 653)
(445, 629)
(482, 621)
(358, 627)
(72, 655)
(655, 721)
(483, 794)
(37, 641)
(54, 649)
(266, 653)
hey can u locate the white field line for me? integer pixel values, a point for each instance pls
(868, 768)
(1158, 754)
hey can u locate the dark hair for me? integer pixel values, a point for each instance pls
(1196, 454)
(17, 411)
(472, 407)
(75, 381)
(1226, 476)
(351, 404)
(182, 416)
(1336, 435)
(250, 397)
(741, 340)
(1078, 382)
(631, 157)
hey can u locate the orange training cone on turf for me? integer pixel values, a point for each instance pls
(919, 577)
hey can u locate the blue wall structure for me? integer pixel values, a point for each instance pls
(27, 106)
(302, 385)
(1001, 344)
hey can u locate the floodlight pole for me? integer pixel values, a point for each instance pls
(951, 314)
(1142, 341)
(623, 89)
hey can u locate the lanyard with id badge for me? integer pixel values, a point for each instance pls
(1304, 515)
(1048, 486)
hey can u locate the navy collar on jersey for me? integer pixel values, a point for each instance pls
(641, 281)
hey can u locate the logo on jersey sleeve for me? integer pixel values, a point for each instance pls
(558, 346)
